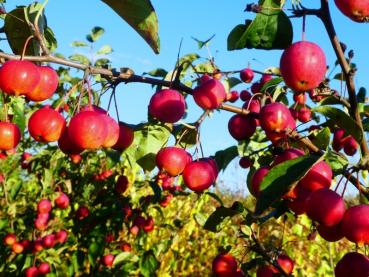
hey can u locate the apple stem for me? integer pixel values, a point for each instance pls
(303, 27)
(116, 104)
(25, 47)
(63, 100)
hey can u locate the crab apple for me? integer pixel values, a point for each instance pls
(17, 247)
(286, 263)
(121, 184)
(61, 236)
(148, 225)
(125, 138)
(338, 139)
(326, 207)
(172, 160)
(198, 175)
(125, 247)
(37, 246)
(210, 94)
(82, 212)
(46, 125)
(355, 224)
(352, 264)
(87, 130)
(245, 162)
(224, 265)
(252, 106)
(350, 146)
(304, 114)
(62, 201)
(266, 271)
(109, 238)
(276, 117)
(75, 158)
(314, 95)
(112, 131)
(66, 145)
(332, 233)
(294, 113)
(134, 230)
(46, 86)
(213, 165)
(204, 78)
(246, 75)
(44, 268)
(41, 221)
(245, 95)
(256, 180)
(18, 77)
(299, 98)
(288, 154)
(256, 87)
(265, 79)
(167, 105)
(32, 272)
(48, 241)
(108, 260)
(166, 200)
(241, 127)
(10, 135)
(319, 176)
(303, 66)
(356, 10)
(44, 206)
(233, 96)
(9, 239)
(299, 203)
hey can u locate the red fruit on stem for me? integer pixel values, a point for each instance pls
(172, 160)
(266, 271)
(224, 265)
(319, 176)
(304, 114)
(112, 131)
(213, 165)
(44, 268)
(256, 87)
(75, 158)
(356, 10)
(46, 86)
(121, 184)
(108, 260)
(61, 236)
(126, 137)
(66, 145)
(32, 272)
(332, 233)
(246, 75)
(233, 96)
(17, 247)
(254, 106)
(198, 175)
(245, 162)
(303, 66)
(46, 125)
(9, 239)
(18, 77)
(167, 105)
(338, 139)
(62, 201)
(300, 203)
(288, 154)
(48, 241)
(241, 127)
(276, 117)
(326, 207)
(299, 98)
(350, 146)
(44, 206)
(355, 224)
(265, 78)
(256, 180)
(166, 200)
(82, 212)
(210, 94)
(245, 95)
(148, 225)
(37, 246)
(125, 247)
(286, 263)
(10, 135)
(352, 264)
(87, 130)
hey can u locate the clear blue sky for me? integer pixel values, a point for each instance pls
(72, 20)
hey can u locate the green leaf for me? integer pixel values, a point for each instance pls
(51, 42)
(224, 157)
(95, 250)
(220, 214)
(148, 140)
(342, 119)
(361, 95)
(340, 77)
(201, 43)
(95, 34)
(322, 138)
(104, 50)
(80, 58)
(102, 62)
(366, 124)
(17, 29)
(186, 135)
(329, 100)
(232, 82)
(271, 29)
(281, 179)
(124, 257)
(140, 14)
(158, 72)
(18, 112)
(188, 59)
(272, 83)
(148, 264)
(336, 161)
(79, 44)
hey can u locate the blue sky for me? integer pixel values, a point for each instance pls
(72, 20)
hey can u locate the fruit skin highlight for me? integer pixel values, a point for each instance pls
(210, 94)
(356, 10)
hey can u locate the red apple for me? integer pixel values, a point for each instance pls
(352, 264)
(61, 236)
(121, 184)
(356, 10)
(350, 146)
(338, 139)
(253, 106)
(326, 207)
(299, 98)
(48, 241)
(82, 212)
(245, 162)
(303, 66)
(319, 176)
(210, 94)
(246, 75)
(286, 263)
(75, 158)
(44, 268)
(198, 175)
(167, 105)
(44, 206)
(108, 260)
(224, 265)
(112, 131)
(46, 125)
(288, 154)
(355, 224)
(125, 247)
(32, 272)
(172, 160)
(148, 225)
(17, 247)
(9, 239)
(256, 180)
(66, 145)
(18, 77)
(265, 79)
(46, 86)
(266, 271)
(126, 136)
(233, 96)
(332, 233)
(241, 127)
(10, 135)
(62, 201)
(304, 114)
(245, 95)
(256, 87)
(276, 117)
